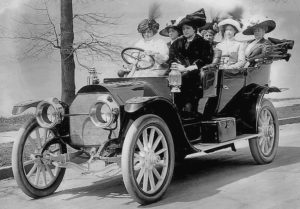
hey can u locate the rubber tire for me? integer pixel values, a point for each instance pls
(17, 165)
(127, 153)
(258, 156)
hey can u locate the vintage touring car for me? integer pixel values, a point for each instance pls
(134, 126)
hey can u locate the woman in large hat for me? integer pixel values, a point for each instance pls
(172, 30)
(188, 54)
(190, 51)
(258, 47)
(232, 50)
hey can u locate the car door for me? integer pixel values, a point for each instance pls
(259, 75)
(231, 84)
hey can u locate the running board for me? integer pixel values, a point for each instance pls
(210, 147)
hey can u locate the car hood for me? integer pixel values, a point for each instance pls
(123, 89)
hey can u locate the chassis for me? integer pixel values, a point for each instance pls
(134, 126)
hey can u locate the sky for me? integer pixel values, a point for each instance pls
(40, 78)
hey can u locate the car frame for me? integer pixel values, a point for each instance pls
(134, 126)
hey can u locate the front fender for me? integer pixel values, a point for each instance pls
(22, 106)
(136, 103)
(245, 106)
(165, 109)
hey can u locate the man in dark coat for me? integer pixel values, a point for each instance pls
(188, 54)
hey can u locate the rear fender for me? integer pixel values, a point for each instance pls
(22, 106)
(165, 109)
(245, 106)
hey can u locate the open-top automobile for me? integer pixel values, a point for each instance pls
(134, 126)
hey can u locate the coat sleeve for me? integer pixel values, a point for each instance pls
(267, 48)
(206, 55)
(264, 50)
(172, 55)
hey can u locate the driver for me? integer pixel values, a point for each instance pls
(188, 54)
(152, 45)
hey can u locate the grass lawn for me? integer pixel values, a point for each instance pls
(13, 123)
(5, 154)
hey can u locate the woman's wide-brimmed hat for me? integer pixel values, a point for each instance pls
(232, 22)
(150, 22)
(210, 27)
(196, 19)
(268, 24)
(171, 24)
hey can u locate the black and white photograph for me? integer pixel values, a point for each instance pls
(149, 104)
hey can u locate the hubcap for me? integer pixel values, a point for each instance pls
(39, 172)
(266, 127)
(151, 160)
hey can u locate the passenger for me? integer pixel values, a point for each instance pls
(188, 54)
(209, 35)
(153, 46)
(172, 31)
(258, 47)
(233, 53)
(209, 31)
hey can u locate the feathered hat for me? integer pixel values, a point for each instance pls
(196, 19)
(150, 23)
(212, 26)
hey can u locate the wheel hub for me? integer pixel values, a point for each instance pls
(271, 131)
(151, 159)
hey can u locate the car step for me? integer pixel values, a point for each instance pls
(209, 147)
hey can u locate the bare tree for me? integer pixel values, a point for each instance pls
(66, 51)
(38, 34)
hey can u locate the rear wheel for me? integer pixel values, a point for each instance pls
(148, 159)
(35, 175)
(264, 148)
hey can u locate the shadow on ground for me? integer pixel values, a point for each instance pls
(196, 178)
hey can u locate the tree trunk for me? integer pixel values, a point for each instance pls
(66, 52)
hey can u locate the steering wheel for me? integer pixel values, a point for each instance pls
(137, 56)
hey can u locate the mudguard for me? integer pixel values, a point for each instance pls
(245, 105)
(22, 106)
(165, 109)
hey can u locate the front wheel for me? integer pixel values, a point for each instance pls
(148, 159)
(264, 148)
(35, 175)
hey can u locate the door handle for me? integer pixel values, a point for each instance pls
(225, 87)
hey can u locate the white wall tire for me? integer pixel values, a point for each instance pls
(147, 159)
(264, 148)
(35, 177)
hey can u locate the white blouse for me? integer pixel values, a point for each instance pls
(234, 51)
(155, 45)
